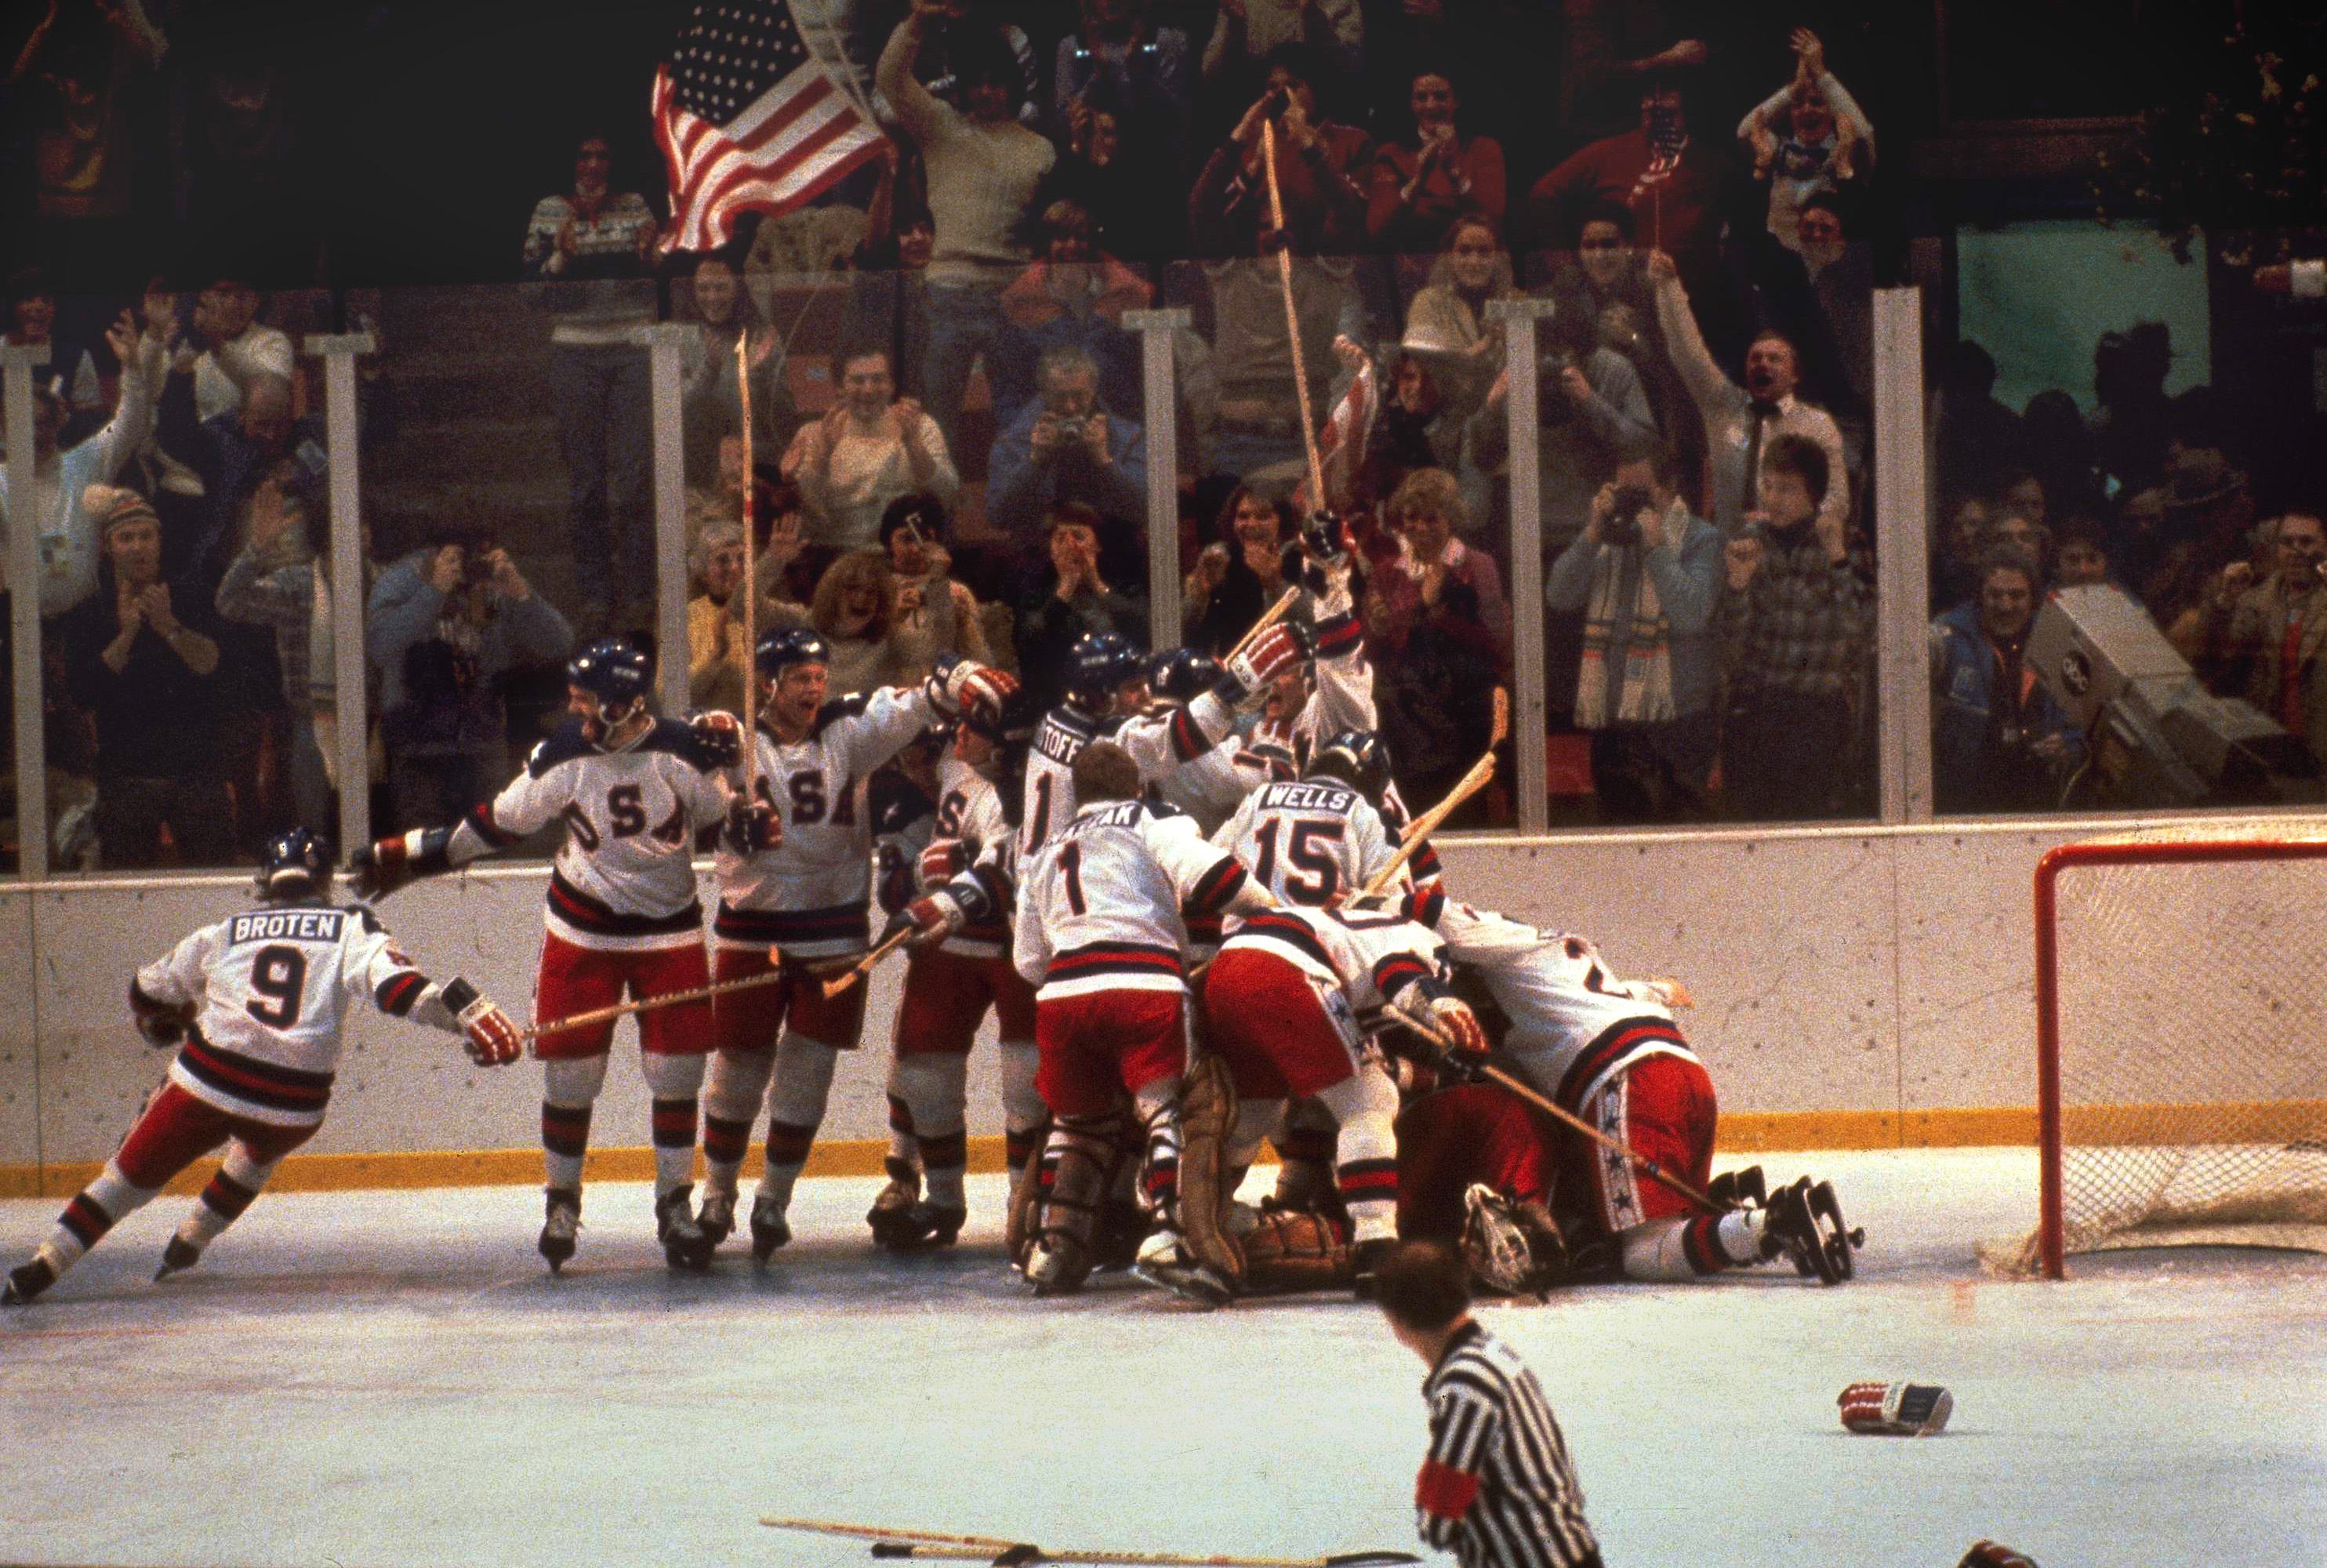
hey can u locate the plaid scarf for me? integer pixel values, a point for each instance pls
(1647, 693)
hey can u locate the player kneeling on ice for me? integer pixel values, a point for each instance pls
(634, 792)
(1103, 937)
(1609, 1054)
(1286, 1006)
(255, 1006)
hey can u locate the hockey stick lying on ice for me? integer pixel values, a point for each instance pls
(936, 1547)
(673, 998)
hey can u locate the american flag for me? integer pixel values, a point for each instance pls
(750, 121)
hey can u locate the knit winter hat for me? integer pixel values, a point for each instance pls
(112, 506)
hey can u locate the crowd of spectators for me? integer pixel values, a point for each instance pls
(961, 463)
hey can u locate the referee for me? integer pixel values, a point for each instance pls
(1496, 1489)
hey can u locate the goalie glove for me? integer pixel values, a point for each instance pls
(493, 1040)
(159, 1022)
(752, 827)
(959, 684)
(721, 735)
(1255, 670)
(1896, 1409)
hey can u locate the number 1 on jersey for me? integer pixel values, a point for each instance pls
(1071, 862)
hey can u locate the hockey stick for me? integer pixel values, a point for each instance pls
(1545, 1103)
(1419, 830)
(1024, 1554)
(751, 573)
(864, 966)
(1268, 617)
(932, 1545)
(1292, 315)
(674, 998)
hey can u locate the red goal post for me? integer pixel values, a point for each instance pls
(2239, 1142)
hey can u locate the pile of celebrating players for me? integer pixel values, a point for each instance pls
(1189, 895)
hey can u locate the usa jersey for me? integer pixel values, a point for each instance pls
(272, 987)
(970, 812)
(1368, 959)
(809, 894)
(1214, 785)
(624, 878)
(1308, 843)
(1573, 1023)
(1160, 743)
(1104, 906)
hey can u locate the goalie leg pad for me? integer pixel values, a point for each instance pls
(1208, 1111)
(1077, 1168)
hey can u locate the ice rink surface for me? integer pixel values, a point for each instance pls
(393, 1378)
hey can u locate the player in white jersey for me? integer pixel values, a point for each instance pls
(256, 1005)
(1286, 1006)
(1317, 841)
(1107, 696)
(1611, 1051)
(1102, 937)
(951, 981)
(634, 792)
(798, 906)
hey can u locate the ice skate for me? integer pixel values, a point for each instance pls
(684, 1244)
(557, 1230)
(178, 1257)
(770, 1230)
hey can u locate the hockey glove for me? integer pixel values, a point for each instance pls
(1459, 1025)
(752, 825)
(934, 917)
(721, 734)
(960, 683)
(1896, 1409)
(389, 863)
(944, 860)
(1271, 654)
(160, 1023)
(493, 1039)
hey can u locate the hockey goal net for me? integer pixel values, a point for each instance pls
(2181, 1042)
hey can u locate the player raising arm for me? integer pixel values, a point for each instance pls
(797, 901)
(634, 791)
(256, 1005)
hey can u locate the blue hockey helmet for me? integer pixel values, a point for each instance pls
(613, 670)
(1098, 665)
(781, 651)
(1181, 673)
(1357, 758)
(293, 864)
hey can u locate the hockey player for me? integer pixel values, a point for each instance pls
(1102, 938)
(633, 791)
(797, 902)
(1286, 1006)
(1106, 690)
(1320, 840)
(1210, 788)
(255, 1004)
(1611, 1051)
(953, 977)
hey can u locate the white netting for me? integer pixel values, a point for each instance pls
(2193, 1046)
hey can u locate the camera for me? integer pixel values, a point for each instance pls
(1622, 527)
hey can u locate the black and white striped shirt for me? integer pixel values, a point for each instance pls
(1497, 1489)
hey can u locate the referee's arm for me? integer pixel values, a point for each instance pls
(1461, 1433)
